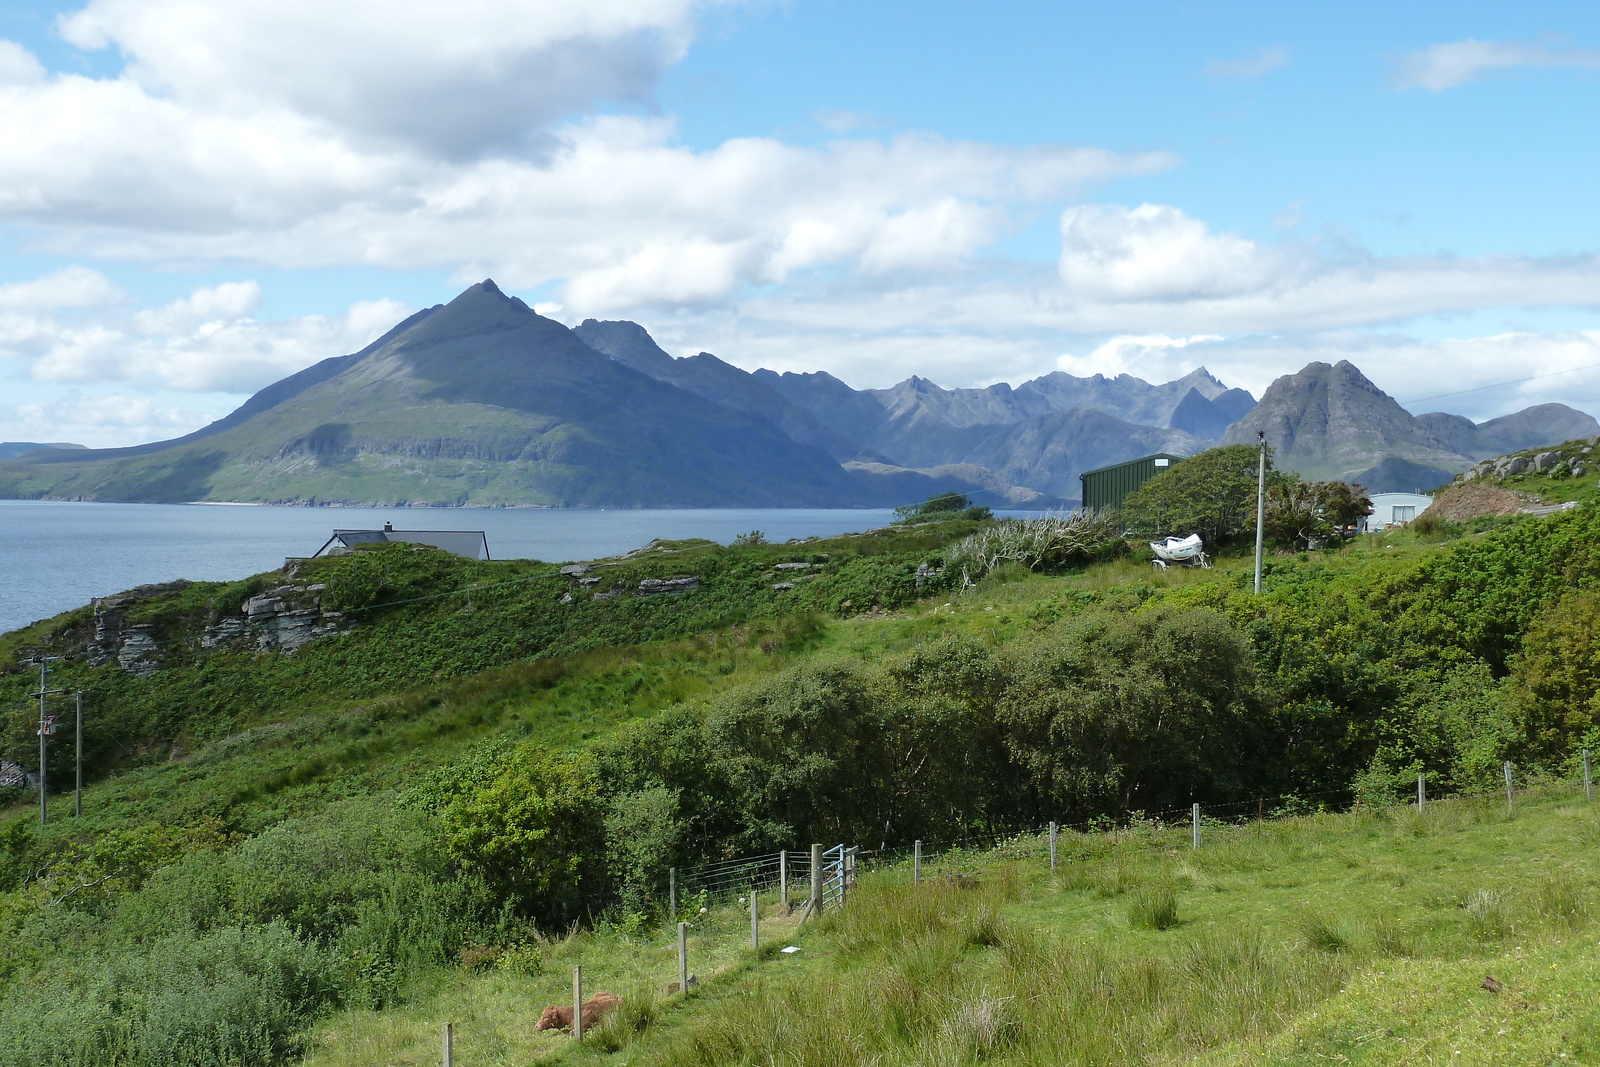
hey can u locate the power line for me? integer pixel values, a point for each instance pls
(1498, 385)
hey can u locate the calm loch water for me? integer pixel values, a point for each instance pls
(55, 556)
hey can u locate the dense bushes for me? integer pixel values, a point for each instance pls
(225, 956)
(1106, 712)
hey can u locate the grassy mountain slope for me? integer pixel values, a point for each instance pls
(480, 402)
(335, 849)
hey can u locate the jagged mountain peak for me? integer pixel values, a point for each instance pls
(1332, 421)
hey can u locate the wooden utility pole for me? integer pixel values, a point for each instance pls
(45, 726)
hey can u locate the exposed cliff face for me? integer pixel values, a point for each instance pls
(280, 620)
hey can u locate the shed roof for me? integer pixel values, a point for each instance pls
(1140, 459)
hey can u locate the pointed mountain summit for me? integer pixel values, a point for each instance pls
(478, 401)
(1333, 422)
(1330, 421)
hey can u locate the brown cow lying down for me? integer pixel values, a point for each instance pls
(594, 1009)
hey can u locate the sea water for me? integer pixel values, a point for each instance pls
(56, 555)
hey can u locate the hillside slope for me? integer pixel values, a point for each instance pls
(479, 402)
(344, 846)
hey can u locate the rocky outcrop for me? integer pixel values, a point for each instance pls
(134, 646)
(280, 620)
(675, 586)
(1573, 460)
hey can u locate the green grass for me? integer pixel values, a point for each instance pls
(1358, 938)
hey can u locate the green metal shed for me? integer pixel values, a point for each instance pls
(1108, 487)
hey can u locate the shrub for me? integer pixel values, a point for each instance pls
(1037, 544)
(535, 833)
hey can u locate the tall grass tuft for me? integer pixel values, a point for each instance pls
(1319, 934)
(638, 1011)
(1560, 902)
(1154, 907)
(1488, 914)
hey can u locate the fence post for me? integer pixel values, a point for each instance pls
(1422, 793)
(1052, 848)
(755, 922)
(1511, 796)
(783, 880)
(672, 892)
(577, 1003)
(449, 1045)
(1194, 816)
(916, 863)
(1588, 777)
(816, 880)
(683, 957)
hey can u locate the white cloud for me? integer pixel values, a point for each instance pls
(70, 287)
(204, 342)
(18, 66)
(217, 303)
(1154, 357)
(455, 79)
(1156, 252)
(1249, 67)
(1456, 63)
(104, 169)
(99, 421)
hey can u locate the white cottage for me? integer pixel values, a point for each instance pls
(1394, 509)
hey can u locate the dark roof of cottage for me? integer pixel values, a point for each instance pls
(473, 544)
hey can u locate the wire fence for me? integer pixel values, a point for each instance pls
(789, 872)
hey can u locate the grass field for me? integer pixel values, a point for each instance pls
(1358, 938)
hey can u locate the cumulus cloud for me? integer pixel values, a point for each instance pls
(1456, 63)
(1154, 357)
(1248, 68)
(1156, 252)
(619, 214)
(100, 420)
(205, 342)
(18, 66)
(456, 79)
(70, 287)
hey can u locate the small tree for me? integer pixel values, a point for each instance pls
(1212, 494)
(951, 505)
(1301, 514)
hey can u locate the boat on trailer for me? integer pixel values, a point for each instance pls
(1184, 551)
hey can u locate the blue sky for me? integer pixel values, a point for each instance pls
(198, 199)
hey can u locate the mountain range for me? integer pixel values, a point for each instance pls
(484, 402)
